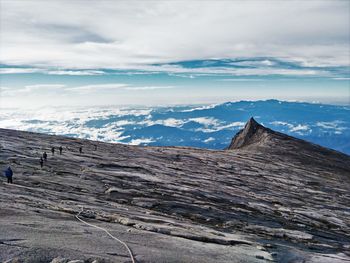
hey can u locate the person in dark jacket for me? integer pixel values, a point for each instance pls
(80, 149)
(41, 162)
(45, 156)
(9, 174)
(53, 150)
(60, 149)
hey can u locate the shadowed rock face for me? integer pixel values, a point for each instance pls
(258, 139)
(252, 133)
(270, 197)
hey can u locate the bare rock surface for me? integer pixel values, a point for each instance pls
(268, 198)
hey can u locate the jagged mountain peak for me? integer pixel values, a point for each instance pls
(252, 132)
(256, 138)
(253, 124)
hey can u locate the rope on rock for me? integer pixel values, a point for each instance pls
(101, 228)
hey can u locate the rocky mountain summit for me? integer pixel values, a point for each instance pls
(252, 133)
(269, 197)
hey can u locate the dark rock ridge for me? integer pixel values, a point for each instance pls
(269, 198)
(252, 133)
(257, 138)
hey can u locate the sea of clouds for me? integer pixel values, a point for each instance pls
(205, 126)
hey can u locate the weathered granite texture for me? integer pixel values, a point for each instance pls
(268, 198)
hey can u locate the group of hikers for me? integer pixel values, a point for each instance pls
(9, 173)
(44, 157)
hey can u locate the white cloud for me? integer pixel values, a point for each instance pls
(18, 70)
(237, 124)
(72, 121)
(234, 71)
(179, 71)
(141, 141)
(81, 90)
(72, 34)
(97, 87)
(149, 88)
(124, 123)
(25, 70)
(218, 126)
(240, 80)
(4, 88)
(328, 125)
(299, 127)
(201, 108)
(210, 139)
(113, 86)
(282, 123)
(259, 63)
(332, 125)
(170, 122)
(76, 72)
(206, 121)
(42, 88)
(341, 78)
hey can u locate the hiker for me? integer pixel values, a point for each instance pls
(45, 156)
(80, 149)
(9, 174)
(53, 150)
(41, 162)
(60, 149)
(95, 147)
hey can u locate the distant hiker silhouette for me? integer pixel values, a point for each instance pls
(53, 150)
(80, 149)
(95, 147)
(9, 174)
(60, 149)
(45, 156)
(41, 162)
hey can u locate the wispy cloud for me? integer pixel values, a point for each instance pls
(7, 91)
(255, 63)
(240, 80)
(149, 88)
(26, 70)
(76, 72)
(141, 141)
(300, 129)
(341, 78)
(233, 71)
(113, 86)
(178, 70)
(19, 70)
(97, 87)
(336, 125)
(44, 86)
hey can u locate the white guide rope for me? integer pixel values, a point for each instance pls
(115, 238)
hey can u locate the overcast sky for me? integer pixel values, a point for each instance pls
(124, 52)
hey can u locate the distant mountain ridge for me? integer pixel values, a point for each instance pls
(203, 126)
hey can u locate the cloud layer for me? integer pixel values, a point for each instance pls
(69, 53)
(210, 126)
(127, 34)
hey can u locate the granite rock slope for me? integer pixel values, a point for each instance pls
(268, 198)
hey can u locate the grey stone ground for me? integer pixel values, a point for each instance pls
(273, 199)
